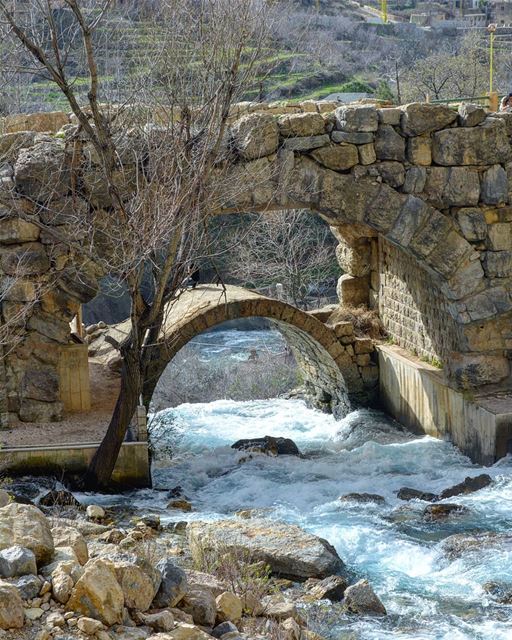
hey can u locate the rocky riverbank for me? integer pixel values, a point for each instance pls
(68, 572)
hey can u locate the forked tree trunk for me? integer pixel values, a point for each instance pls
(102, 465)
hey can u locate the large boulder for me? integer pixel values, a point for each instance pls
(361, 598)
(97, 594)
(11, 607)
(17, 561)
(288, 550)
(139, 581)
(25, 525)
(201, 605)
(229, 607)
(42, 172)
(29, 586)
(173, 585)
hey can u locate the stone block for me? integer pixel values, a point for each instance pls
(415, 179)
(301, 125)
(413, 213)
(43, 172)
(68, 211)
(40, 384)
(498, 264)
(18, 290)
(27, 259)
(467, 279)
(36, 411)
(494, 186)
(16, 230)
(389, 115)
(419, 150)
(382, 211)
(470, 115)
(367, 154)
(354, 259)
(360, 119)
(452, 187)
(363, 359)
(51, 121)
(343, 329)
(391, 172)
(363, 345)
(306, 143)
(487, 144)
(11, 143)
(255, 135)
(418, 118)
(352, 137)
(353, 292)
(389, 145)
(431, 234)
(447, 255)
(50, 327)
(500, 236)
(472, 224)
(338, 157)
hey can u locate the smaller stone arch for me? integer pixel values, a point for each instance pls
(336, 365)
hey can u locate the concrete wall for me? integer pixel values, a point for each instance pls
(132, 468)
(417, 395)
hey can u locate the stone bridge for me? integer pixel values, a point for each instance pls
(337, 366)
(419, 198)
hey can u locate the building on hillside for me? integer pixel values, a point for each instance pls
(501, 11)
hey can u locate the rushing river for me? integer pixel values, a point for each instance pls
(428, 595)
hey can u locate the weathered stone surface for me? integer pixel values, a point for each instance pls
(498, 264)
(25, 260)
(36, 411)
(360, 598)
(452, 187)
(229, 607)
(337, 157)
(354, 260)
(97, 594)
(223, 628)
(16, 230)
(487, 144)
(419, 150)
(415, 179)
(268, 445)
(29, 586)
(288, 550)
(470, 370)
(11, 607)
(173, 585)
(472, 224)
(51, 121)
(470, 115)
(389, 145)
(69, 537)
(494, 186)
(25, 525)
(363, 498)
(89, 626)
(139, 581)
(331, 588)
(11, 143)
(41, 384)
(42, 172)
(71, 210)
(418, 118)
(306, 143)
(391, 172)
(389, 115)
(436, 512)
(17, 561)
(500, 236)
(255, 135)
(5, 498)
(201, 605)
(301, 124)
(352, 138)
(183, 631)
(360, 118)
(367, 154)
(353, 291)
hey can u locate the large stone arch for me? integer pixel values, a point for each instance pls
(419, 191)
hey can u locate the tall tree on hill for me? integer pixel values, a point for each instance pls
(155, 160)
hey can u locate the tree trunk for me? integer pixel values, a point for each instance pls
(102, 465)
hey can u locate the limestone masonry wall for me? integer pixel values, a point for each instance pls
(411, 307)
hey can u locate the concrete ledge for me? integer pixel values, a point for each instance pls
(417, 395)
(132, 468)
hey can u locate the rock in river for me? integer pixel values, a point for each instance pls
(469, 485)
(361, 598)
(288, 550)
(268, 445)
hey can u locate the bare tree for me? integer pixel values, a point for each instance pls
(149, 166)
(290, 247)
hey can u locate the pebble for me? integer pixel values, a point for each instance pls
(95, 512)
(46, 588)
(34, 613)
(45, 606)
(68, 615)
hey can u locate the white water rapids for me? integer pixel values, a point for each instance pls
(428, 595)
